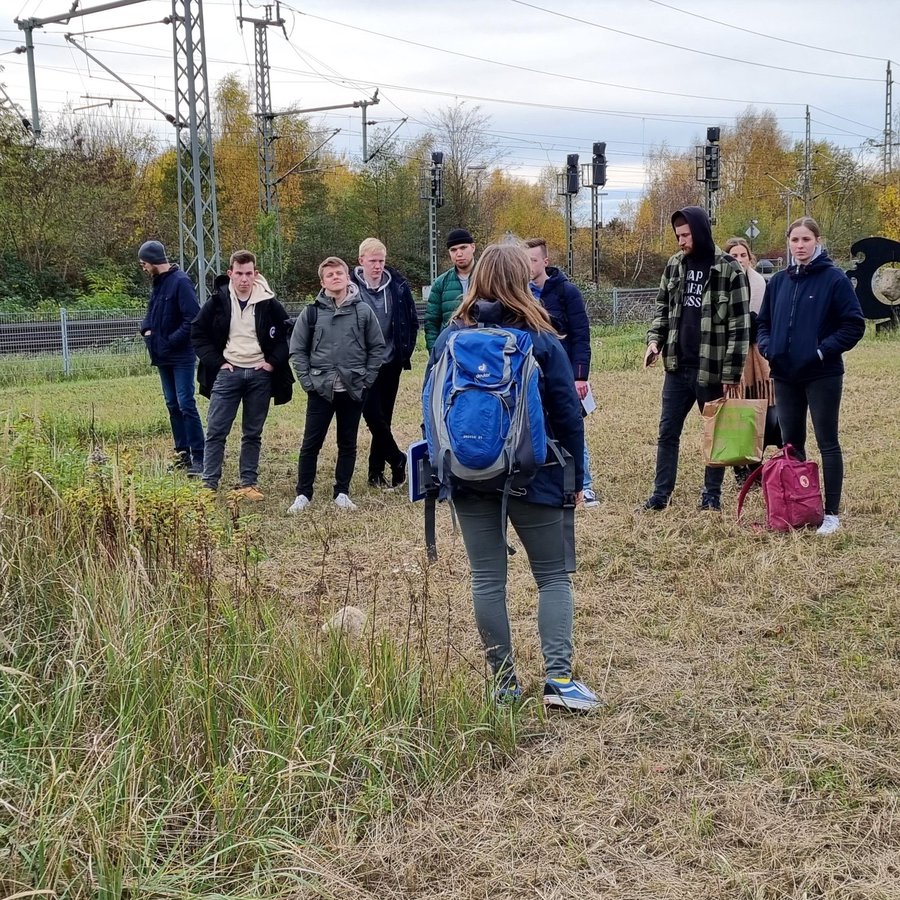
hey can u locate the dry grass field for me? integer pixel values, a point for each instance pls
(750, 743)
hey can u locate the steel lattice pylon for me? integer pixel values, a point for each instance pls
(888, 125)
(265, 137)
(198, 223)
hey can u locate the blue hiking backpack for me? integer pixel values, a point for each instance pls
(484, 418)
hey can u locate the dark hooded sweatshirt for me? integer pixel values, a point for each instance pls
(699, 261)
(724, 313)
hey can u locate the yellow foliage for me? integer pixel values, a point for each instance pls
(889, 207)
(512, 205)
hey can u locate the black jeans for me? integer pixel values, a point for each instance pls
(319, 413)
(378, 412)
(251, 388)
(681, 391)
(822, 398)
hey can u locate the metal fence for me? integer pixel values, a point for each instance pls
(620, 306)
(615, 306)
(101, 343)
(63, 344)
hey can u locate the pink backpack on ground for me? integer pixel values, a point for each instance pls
(790, 489)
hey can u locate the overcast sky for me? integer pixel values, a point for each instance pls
(552, 75)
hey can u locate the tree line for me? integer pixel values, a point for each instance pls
(75, 206)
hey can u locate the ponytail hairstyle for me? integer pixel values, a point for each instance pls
(502, 274)
(740, 242)
(805, 222)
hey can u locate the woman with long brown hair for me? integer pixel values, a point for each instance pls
(498, 295)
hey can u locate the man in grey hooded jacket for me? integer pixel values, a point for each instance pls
(336, 351)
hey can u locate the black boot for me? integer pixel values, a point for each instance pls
(181, 459)
(398, 472)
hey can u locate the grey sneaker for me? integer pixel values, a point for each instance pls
(342, 501)
(590, 499)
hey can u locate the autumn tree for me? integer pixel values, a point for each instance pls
(461, 133)
(68, 202)
(672, 184)
(237, 180)
(512, 205)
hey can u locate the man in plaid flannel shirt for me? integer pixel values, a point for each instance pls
(702, 332)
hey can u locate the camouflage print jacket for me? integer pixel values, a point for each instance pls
(724, 319)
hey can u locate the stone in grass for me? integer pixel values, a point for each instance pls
(348, 620)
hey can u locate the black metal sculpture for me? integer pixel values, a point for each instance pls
(876, 252)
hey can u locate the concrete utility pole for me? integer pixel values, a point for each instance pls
(365, 104)
(198, 217)
(28, 26)
(265, 137)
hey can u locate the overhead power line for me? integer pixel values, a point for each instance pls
(695, 118)
(534, 71)
(761, 34)
(356, 84)
(640, 37)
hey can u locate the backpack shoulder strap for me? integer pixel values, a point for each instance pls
(312, 316)
(570, 489)
(430, 527)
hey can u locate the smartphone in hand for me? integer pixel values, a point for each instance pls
(650, 357)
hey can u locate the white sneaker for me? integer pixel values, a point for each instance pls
(830, 524)
(590, 499)
(299, 504)
(342, 501)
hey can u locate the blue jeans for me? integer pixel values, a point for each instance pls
(540, 528)
(178, 391)
(588, 484)
(253, 388)
(681, 391)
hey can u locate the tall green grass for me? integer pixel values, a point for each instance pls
(166, 730)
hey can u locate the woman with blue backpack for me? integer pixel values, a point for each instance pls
(498, 309)
(810, 316)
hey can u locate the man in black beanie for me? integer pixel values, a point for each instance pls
(167, 332)
(449, 289)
